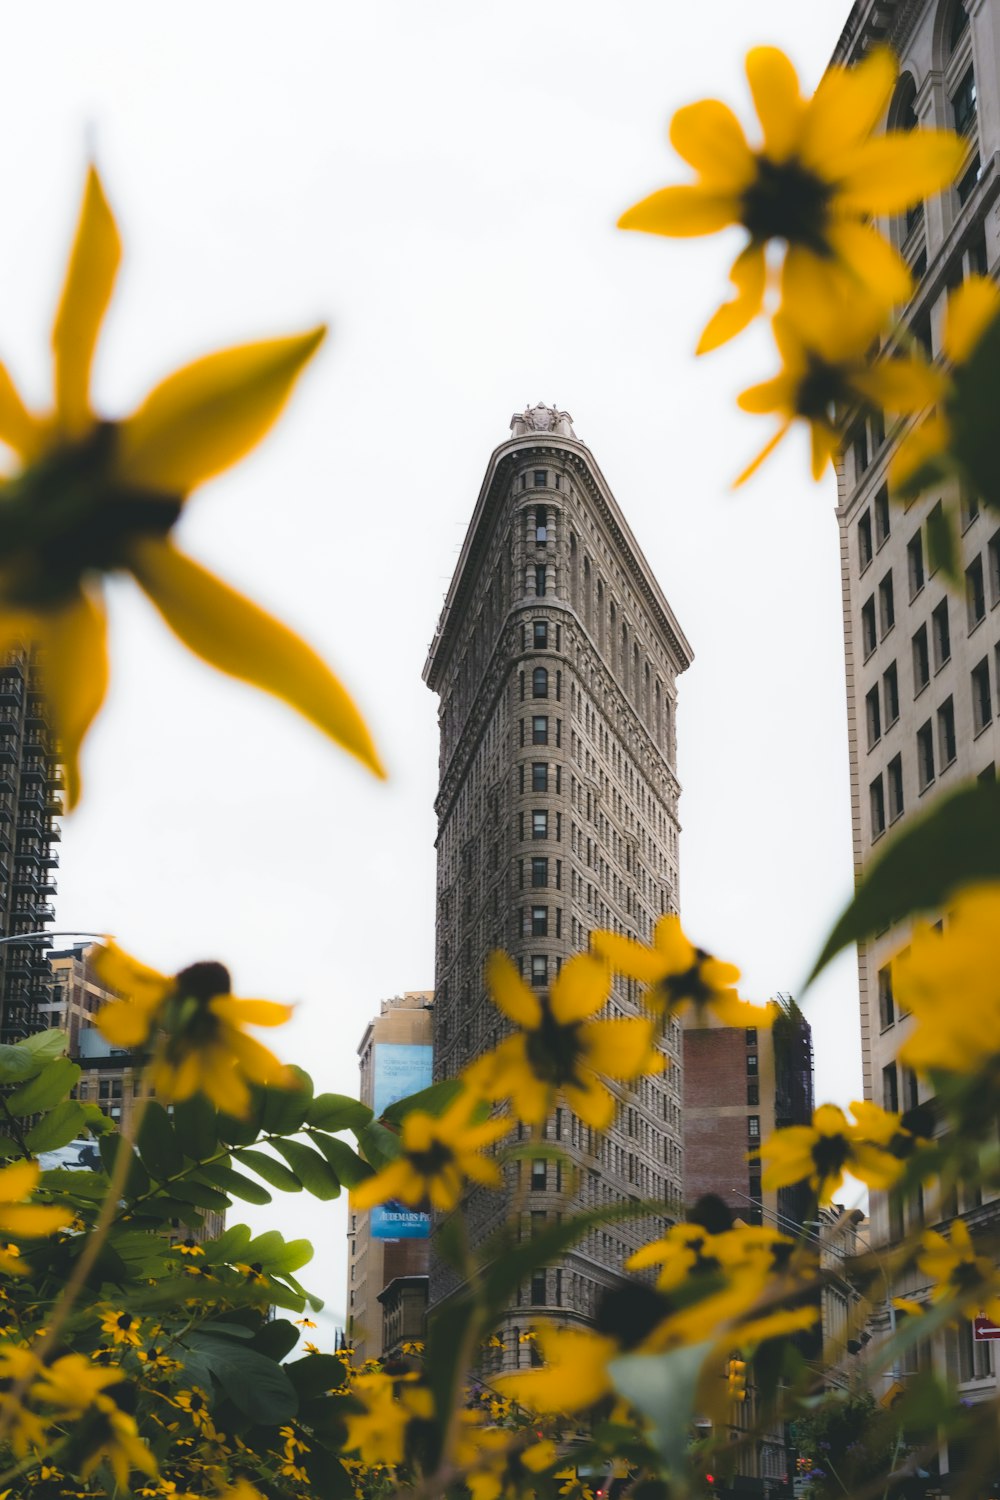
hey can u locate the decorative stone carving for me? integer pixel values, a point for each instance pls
(542, 418)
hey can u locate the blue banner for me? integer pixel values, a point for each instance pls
(400, 1069)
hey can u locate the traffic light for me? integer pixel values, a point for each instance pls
(736, 1373)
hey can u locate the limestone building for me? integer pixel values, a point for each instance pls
(556, 659)
(109, 1073)
(387, 1263)
(923, 662)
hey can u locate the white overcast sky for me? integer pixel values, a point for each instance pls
(439, 181)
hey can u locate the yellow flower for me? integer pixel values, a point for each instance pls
(559, 1051)
(27, 1220)
(677, 975)
(811, 184)
(826, 369)
(822, 1152)
(958, 1272)
(111, 1435)
(959, 434)
(73, 1382)
(95, 497)
(196, 1403)
(122, 1327)
(438, 1154)
(950, 982)
(688, 1249)
(26, 1431)
(379, 1431)
(205, 1048)
(574, 1376)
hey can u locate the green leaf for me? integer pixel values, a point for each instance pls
(315, 1374)
(272, 1171)
(664, 1388)
(347, 1164)
(254, 1383)
(231, 1245)
(285, 1109)
(944, 549)
(50, 1087)
(276, 1339)
(243, 1132)
(337, 1112)
(157, 1143)
(17, 1063)
(136, 1177)
(972, 415)
(379, 1144)
(236, 1183)
(190, 1190)
(44, 1045)
(312, 1170)
(955, 842)
(294, 1255)
(60, 1126)
(90, 1186)
(433, 1101)
(195, 1127)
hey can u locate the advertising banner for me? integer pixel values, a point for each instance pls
(399, 1069)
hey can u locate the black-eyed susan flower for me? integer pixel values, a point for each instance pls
(957, 1272)
(204, 1048)
(22, 1218)
(196, 1404)
(950, 982)
(122, 1327)
(677, 975)
(378, 1431)
(439, 1154)
(72, 1383)
(559, 1050)
(821, 1153)
(109, 1435)
(24, 1429)
(95, 497)
(958, 437)
(813, 182)
(826, 369)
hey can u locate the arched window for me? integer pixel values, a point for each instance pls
(958, 23)
(539, 683)
(903, 116)
(600, 616)
(588, 611)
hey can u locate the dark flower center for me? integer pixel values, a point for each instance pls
(820, 391)
(553, 1050)
(431, 1163)
(689, 985)
(786, 201)
(829, 1155)
(124, 1321)
(66, 516)
(629, 1313)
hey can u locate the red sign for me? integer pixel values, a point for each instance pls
(983, 1328)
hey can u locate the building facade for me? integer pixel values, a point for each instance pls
(30, 803)
(556, 659)
(386, 1273)
(109, 1073)
(923, 661)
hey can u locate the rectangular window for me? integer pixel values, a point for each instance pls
(539, 872)
(993, 552)
(890, 694)
(941, 635)
(894, 779)
(540, 729)
(876, 797)
(915, 563)
(540, 580)
(538, 1176)
(539, 776)
(969, 178)
(753, 1093)
(925, 755)
(873, 717)
(921, 661)
(886, 1003)
(753, 1127)
(886, 606)
(982, 707)
(539, 921)
(539, 968)
(881, 515)
(752, 1064)
(865, 549)
(963, 103)
(541, 527)
(751, 1036)
(947, 746)
(539, 824)
(540, 635)
(969, 508)
(540, 683)
(890, 1088)
(541, 478)
(869, 637)
(859, 443)
(538, 1289)
(975, 593)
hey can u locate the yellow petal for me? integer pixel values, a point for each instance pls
(900, 386)
(873, 265)
(764, 453)
(124, 1024)
(829, 1119)
(250, 1012)
(749, 276)
(510, 993)
(389, 1183)
(18, 428)
(254, 1059)
(581, 987)
(776, 394)
(74, 665)
(90, 280)
(971, 310)
(928, 441)
(225, 1088)
(682, 211)
(33, 1220)
(591, 1102)
(824, 444)
(777, 100)
(119, 971)
(236, 636)
(626, 956)
(210, 413)
(619, 1048)
(710, 139)
(891, 172)
(846, 107)
(18, 1180)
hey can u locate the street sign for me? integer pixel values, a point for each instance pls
(984, 1328)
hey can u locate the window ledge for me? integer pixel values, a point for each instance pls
(983, 728)
(916, 594)
(927, 786)
(975, 625)
(948, 764)
(941, 665)
(921, 689)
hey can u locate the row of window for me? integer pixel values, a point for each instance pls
(540, 683)
(886, 794)
(540, 480)
(540, 731)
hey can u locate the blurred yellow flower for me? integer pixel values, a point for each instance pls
(439, 1153)
(94, 497)
(812, 184)
(956, 1271)
(950, 982)
(26, 1220)
(678, 975)
(559, 1051)
(204, 1047)
(822, 1152)
(378, 1432)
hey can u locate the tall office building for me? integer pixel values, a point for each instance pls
(29, 805)
(923, 662)
(556, 658)
(388, 1248)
